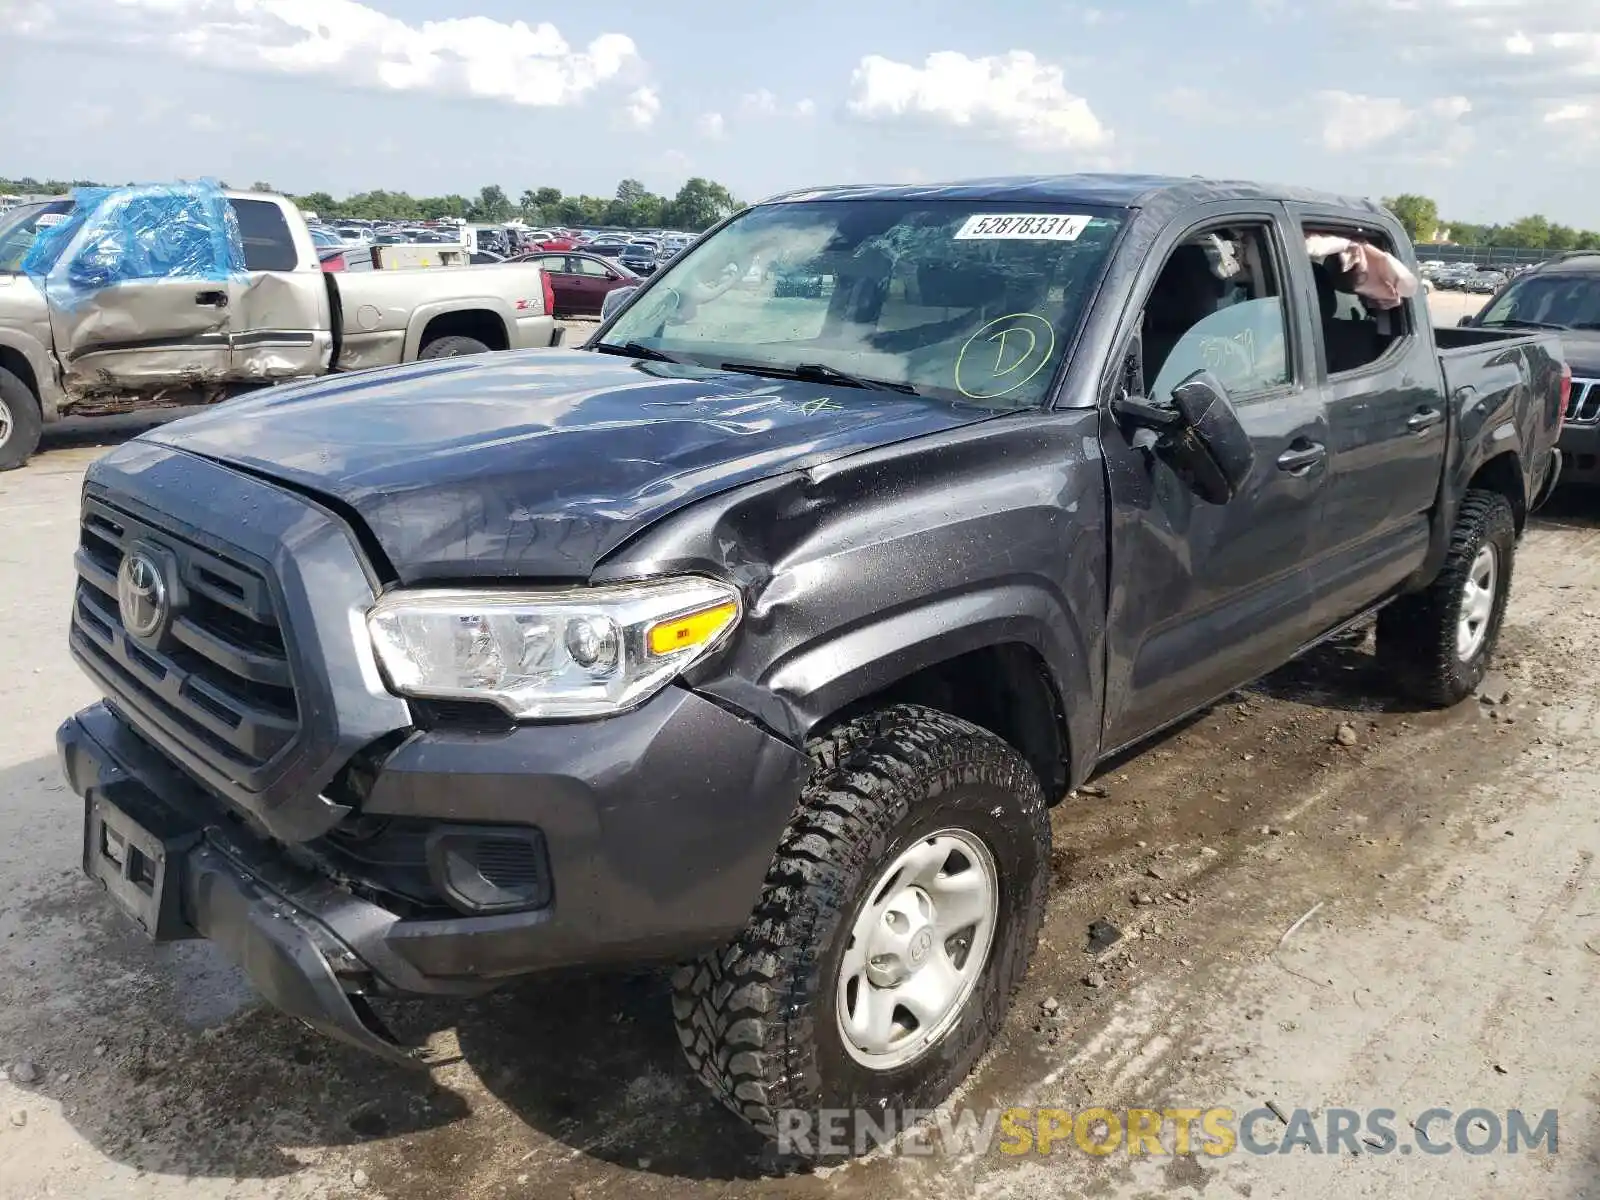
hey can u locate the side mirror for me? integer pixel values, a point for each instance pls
(1465, 321)
(614, 300)
(1221, 456)
(1200, 435)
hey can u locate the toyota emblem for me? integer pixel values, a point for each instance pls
(141, 595)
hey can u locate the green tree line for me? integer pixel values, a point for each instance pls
(698, 204)
(1420, 216)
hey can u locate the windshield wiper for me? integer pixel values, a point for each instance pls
(1521, 324)
(821, 373)
(637, 350)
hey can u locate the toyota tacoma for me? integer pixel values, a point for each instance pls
(758, 634)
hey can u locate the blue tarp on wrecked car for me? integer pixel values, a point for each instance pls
(148, 231)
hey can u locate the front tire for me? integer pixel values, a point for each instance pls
(21, 422)
(931, 832)
(1439, 641)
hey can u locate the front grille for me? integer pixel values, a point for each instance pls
(1583, 405)
(218, 680)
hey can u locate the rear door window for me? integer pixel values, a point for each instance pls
(1355, 332)
(268, 244)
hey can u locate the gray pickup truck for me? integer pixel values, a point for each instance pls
(80, 336)
(758, 634)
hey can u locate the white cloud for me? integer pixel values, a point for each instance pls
(1014, 96)
(760, 101)
(348, 42)
(1353, 122)
(765, 103)
(1523, 56)
(643, 106)
(711, 125)
(1569, 112)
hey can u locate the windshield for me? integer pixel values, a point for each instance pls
(20, 226)
(961, 301)
(1571, 301)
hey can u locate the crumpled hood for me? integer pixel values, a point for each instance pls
(537, 464)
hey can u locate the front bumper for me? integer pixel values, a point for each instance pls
(1580, 454)
(660, 825)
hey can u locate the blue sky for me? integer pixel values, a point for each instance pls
(1491, 106)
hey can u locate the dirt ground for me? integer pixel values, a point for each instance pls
(1452, 962)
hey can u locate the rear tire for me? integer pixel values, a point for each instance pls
(21, 422)
(1439, 641)
(763, 1022)
(453, 346)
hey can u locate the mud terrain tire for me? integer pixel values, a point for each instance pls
(758, 1020)
(1421, 637)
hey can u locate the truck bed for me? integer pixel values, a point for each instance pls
(1504, 389)
(382, 316)
(1455, 338)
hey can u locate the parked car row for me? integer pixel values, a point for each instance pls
(489, 245)
(1468, 277)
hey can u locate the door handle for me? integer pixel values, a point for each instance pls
(212, 299)
(1423, 419)
(1301, 458)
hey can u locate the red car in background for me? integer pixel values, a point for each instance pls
(580, 281)
(545, 240)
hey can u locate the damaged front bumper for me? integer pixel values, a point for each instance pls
(179, 874)
(658, 826)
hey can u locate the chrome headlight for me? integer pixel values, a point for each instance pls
(578, 652)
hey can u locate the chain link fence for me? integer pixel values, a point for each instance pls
(1485, 256)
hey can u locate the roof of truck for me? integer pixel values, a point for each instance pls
(1573, 262)
(1109, 191)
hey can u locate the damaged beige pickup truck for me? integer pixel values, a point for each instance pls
(84, 331)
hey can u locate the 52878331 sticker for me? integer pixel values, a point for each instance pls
(1044, 227)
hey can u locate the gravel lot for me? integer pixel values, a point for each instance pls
(1453, 961)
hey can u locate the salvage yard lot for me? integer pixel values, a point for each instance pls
(1452, 962)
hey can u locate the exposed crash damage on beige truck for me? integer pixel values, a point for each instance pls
(125, 298)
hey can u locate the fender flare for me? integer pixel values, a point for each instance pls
(833, 672)
(46, 390)
(424, 313)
